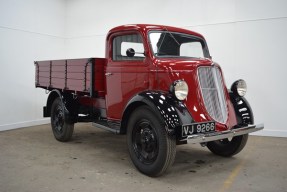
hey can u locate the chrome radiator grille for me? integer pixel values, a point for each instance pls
(212, 90)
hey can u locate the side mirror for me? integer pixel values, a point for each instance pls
(130, 52)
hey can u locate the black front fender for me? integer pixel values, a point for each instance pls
(171, 111)
(243, 110)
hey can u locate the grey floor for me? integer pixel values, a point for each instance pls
(96, 160)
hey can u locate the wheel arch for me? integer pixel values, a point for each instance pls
(127, 112)
(70, 103)
(171, 111)
(51, 98)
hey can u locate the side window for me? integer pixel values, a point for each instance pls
(191, 49)
(124, 42)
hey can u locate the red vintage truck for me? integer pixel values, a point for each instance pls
(159, 86)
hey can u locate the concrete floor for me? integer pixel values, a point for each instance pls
(97, 160)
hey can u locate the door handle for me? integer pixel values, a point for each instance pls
(108, 74)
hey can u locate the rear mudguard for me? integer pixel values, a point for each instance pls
(170, 110)
(70, 103)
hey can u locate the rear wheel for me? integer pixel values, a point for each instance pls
(62, 129)
(151, 149)
(226, 147)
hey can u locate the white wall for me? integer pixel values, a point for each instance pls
(247, 38)
(250, 44)
(29, 30)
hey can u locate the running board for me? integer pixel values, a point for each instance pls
(104, 125)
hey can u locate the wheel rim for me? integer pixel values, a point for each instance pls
(145, 143)
(58, 119)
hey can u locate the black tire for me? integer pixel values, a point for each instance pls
(228, 148)
(151, 149)
(62, 130)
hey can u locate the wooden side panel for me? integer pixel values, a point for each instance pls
(73, 75)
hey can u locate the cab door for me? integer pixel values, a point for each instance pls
(125, 75)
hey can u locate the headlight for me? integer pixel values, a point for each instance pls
(179, 89)
(239, 87)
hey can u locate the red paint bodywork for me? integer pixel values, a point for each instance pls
(156, 74)
(132, 77)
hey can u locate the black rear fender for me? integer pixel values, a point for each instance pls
(70, 103)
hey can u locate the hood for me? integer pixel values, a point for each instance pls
(172, 69)
(182, 65)
(187, 70)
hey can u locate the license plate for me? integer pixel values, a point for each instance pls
(194, 128)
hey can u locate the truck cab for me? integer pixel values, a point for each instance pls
(159, 86)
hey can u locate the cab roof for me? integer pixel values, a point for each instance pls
(150, 27)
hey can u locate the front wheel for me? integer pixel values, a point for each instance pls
(151, 149)
(226, 147)
(62, 129)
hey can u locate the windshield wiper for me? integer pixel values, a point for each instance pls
(158, 51)
(172, 37)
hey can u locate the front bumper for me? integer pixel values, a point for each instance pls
(202, 138)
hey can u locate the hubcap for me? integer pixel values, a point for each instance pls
(145, 142)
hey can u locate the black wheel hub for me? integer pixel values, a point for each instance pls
(145, 142)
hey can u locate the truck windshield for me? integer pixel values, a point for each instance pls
(171, 44)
